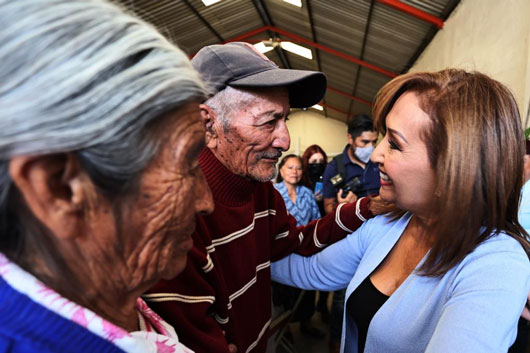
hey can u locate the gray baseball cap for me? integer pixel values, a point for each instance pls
(239, 64)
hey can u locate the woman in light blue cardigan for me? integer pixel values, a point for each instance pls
(450, 272)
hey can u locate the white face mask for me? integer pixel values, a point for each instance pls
(364, 153)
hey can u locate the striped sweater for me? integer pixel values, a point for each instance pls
(224, 294)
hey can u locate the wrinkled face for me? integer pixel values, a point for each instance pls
(291, 171)
(407, 178)
(366, 139)
(256, 136)
(316, 158)
(157, 223)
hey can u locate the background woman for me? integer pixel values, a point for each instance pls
(450, 272)
(99, 184)
(314, 161)
(300, 203)
(298, 198)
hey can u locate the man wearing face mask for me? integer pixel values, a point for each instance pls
(358, 173)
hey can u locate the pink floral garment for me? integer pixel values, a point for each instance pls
(156, 335)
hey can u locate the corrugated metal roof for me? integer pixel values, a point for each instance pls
(367, 30)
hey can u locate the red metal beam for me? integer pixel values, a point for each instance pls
(344, 94)
(411, 10)
(335, 109)
(329, 50)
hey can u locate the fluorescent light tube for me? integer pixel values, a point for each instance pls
(297, 49)
(318, 107)
(262, 48)
(294, 2)
(209, 2)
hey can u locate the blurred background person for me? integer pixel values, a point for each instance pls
(314, 162)
(301, 204)
(299, 200)
(99, 185)
(358, 174)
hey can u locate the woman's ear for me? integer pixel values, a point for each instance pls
(55, 189)
(209, 119)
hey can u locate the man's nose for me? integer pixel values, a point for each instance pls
(281, 138)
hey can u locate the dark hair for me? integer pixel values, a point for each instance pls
(279, 178)
(309, 151)
(359, 124)
(527, 143)
(479, 183)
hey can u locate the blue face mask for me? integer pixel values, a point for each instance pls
(364, 153)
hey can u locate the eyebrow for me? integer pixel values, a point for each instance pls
(271, 114)
(395, 132)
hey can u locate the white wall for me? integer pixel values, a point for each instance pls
(490, 36)
(307, 128)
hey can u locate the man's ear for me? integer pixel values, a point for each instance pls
(350, 139)
(209, 119)
(55, 190)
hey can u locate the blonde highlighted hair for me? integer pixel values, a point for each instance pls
(475, 145)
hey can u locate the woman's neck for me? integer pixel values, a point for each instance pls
(291, 190)
(418, 228)
(88, 283)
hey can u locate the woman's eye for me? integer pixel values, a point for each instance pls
(393, 145)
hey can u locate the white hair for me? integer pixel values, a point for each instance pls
(228, 102)
(82, 76)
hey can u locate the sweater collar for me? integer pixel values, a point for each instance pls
(227, 188)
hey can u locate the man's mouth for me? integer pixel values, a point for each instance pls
(270, 156)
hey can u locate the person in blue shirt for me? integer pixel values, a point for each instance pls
(301, 204)
(449, 272)
(353, 162)
(299, 200)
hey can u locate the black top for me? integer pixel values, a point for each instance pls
(362, 305)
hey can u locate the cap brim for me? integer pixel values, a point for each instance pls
(306, 88)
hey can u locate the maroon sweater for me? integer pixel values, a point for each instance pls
(224, 294)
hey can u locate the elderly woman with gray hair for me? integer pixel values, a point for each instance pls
(99, 181)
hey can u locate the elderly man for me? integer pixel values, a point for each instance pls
(224, 294)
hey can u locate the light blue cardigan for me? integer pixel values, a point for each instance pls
(473, 308)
